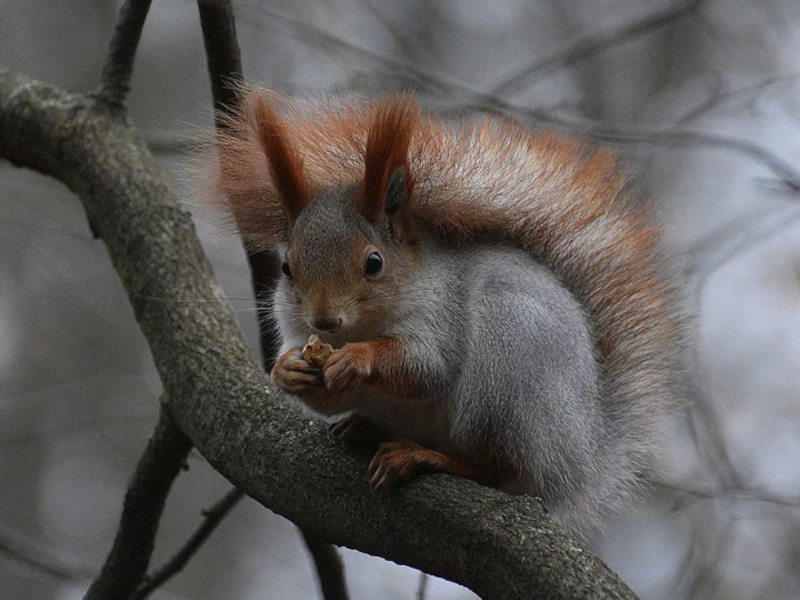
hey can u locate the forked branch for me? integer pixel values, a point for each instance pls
(157, 469)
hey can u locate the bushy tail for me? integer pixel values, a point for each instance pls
(568, 207)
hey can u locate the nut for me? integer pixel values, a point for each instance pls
(316, 352)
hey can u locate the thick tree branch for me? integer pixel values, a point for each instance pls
(122, 51)
(225, 73)
(500, 546)
(157, 469)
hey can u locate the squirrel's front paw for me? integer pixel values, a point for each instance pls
(294, 375)
(348, 367)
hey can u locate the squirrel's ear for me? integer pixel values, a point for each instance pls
(397, 192)
(284, 162)
(387, 185)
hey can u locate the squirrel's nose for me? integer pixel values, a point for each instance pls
(326, 321)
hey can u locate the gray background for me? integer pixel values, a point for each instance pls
(78, 392)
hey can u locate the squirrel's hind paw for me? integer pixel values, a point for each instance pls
(395, 462)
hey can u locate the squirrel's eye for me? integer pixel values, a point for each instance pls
(374, 264)
(286, 270)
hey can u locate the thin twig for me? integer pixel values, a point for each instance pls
(225, 72)
(719, 98)
(329, 567)
(480, 99)
(422, 587)
(122, 51)
(788, 175)
(406, 46)
(213, 517)
(223, 56)
(726, 243)
(422, 77)
(738, 494)
(39, 558)
(158, 467)
(573, 52)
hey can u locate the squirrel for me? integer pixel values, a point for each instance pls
(500, 308)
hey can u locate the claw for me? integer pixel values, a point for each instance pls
(395, 462)
(399, 460)
(294, 375)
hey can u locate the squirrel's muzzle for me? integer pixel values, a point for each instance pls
(326, 320)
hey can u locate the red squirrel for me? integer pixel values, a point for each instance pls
(499, 307)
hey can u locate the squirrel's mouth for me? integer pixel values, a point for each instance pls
(327, 329)
(328, 335)
(343, 327)
(342, 335)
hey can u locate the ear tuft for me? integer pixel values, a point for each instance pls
(230, 175)
(387, 183)
(284, 162)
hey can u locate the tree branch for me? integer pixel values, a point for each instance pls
(422, 588)
(40, 558)
(213, 517)
(225, 73)
(329, 567)
(788, 175)
(157, 469)
(122, 52)
(500, 546)
(222, 55)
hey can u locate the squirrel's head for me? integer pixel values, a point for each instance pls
(349, 249)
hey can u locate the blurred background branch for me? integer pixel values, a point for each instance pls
(211, 519)
(144, 502)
